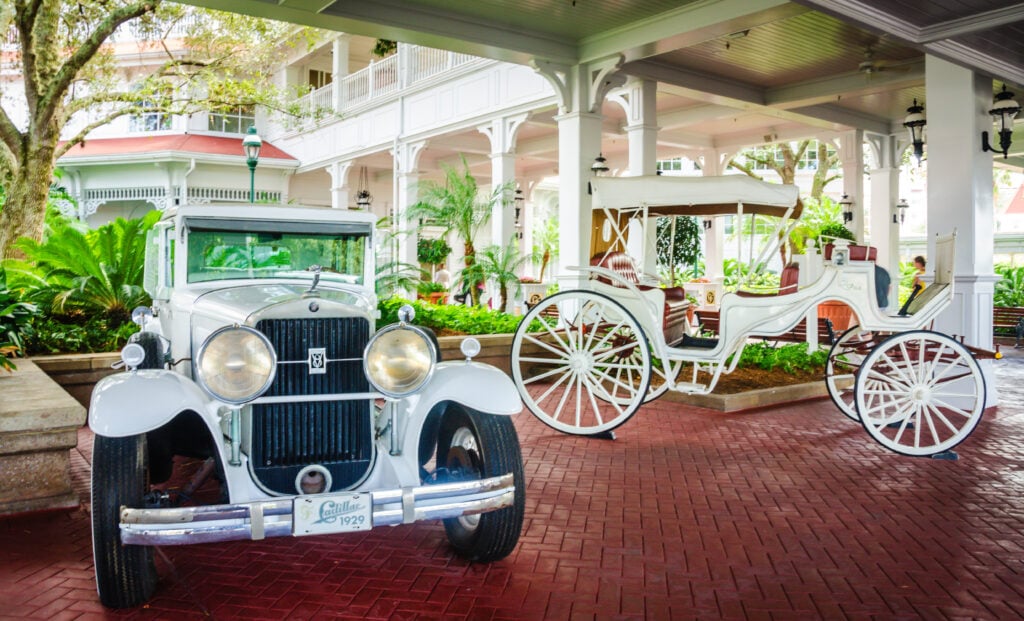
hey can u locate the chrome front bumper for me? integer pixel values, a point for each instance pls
(274, 518)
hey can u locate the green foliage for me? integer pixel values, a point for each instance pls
(500, 265)
(465, 319)
(384, 47)
(834, 231)
(432, 251)
(50, 335)
(545, 244)
(428, 287)
(736, 273)
(396, 276)
(682, 248)
(788, 358)
(89, 273)
(15, 318)
(818, 214)
(1009, 291)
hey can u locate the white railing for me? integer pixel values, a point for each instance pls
(230, 195)
(316, 101)
(411, 65)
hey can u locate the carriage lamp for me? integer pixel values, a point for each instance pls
(901, 209)
(846, 204)
(1004, 111)
(915, 123)
(600, 165)
(252, 145)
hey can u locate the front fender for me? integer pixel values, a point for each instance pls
(135, 402)
(473, 384)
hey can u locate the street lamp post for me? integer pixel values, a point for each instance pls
(251, 145)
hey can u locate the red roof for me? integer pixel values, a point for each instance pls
(1016, 205)
(184, 143)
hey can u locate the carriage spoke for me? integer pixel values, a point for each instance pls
(563, 353)
(562, 369)
(938, 414)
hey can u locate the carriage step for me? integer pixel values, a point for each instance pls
(696, 341)
(690, 388)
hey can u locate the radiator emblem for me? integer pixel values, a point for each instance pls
(317, 360)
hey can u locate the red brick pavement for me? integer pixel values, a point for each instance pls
(791, 513)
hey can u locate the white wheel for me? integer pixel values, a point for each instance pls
(844, 358)
(660, 376)
(586, 365)
(920, 393)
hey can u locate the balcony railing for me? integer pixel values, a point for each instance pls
(411, 65)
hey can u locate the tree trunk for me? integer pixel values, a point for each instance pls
(544, 264)
(503, 296)
(469, 259)
(24, 212)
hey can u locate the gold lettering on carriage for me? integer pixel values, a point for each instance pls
(850, 284)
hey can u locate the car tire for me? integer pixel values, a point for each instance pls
(125, 574)
(473, 445)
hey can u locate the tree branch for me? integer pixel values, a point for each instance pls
(55, 90)
(80, 136)
(9, 134)
(746, 168)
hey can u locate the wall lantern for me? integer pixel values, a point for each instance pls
(846, 203)
(708, 222)
(251, 145)
(363, 196)
(901, 209)
(600, 165)
(915, 123)
(519, 201)
(1003, 112)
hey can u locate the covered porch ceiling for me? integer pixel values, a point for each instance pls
(730, 73)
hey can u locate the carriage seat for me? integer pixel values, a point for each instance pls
(674, 317)
(789, 280)
(857, 252)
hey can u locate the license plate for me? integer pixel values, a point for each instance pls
(334, 513)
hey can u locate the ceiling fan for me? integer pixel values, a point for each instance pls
(872, 65)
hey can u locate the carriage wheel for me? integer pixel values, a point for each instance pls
(586, 367)
(844, 358)
(920, 393)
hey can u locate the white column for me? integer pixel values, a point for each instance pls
(502, 133)
(579, 142)
(642, 134)
(406, 157)
(339, 184)
(883, 187)
(960, 197)
(851, 153)
(714, 162)
(339, 70)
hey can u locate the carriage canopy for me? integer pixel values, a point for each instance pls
(696, 196)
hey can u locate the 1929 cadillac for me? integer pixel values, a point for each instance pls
(260, 357)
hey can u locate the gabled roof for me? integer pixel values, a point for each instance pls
(193, 145)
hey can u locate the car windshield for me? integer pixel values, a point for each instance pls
(215, 254)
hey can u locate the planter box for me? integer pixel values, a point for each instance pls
(752, 399)
(38, 426)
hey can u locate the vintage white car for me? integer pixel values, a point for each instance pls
(260, 355)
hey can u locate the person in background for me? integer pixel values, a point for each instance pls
(919, 265)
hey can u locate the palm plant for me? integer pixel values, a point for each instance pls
(96, 272)
(458, 205)
(14, 321)
(545, 245)
(396, 276)
(501, 264)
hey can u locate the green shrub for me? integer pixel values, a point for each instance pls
(465, 319)
(1009, 291)
(788, 358)
(432, 251)
(77, 334)
(835, 231)
(96, 272)
(15, 317)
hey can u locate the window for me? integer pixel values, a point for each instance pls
(319, 79)
(236, 121)
(149, 121)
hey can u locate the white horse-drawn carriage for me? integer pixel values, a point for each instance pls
(586, 358)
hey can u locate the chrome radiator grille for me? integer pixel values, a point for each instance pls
(338, 434)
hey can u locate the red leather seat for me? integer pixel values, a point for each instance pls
(674, 318)
(788, 282)
(857, 252)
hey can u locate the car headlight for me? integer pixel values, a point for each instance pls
(236, 364)
(399, 360)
